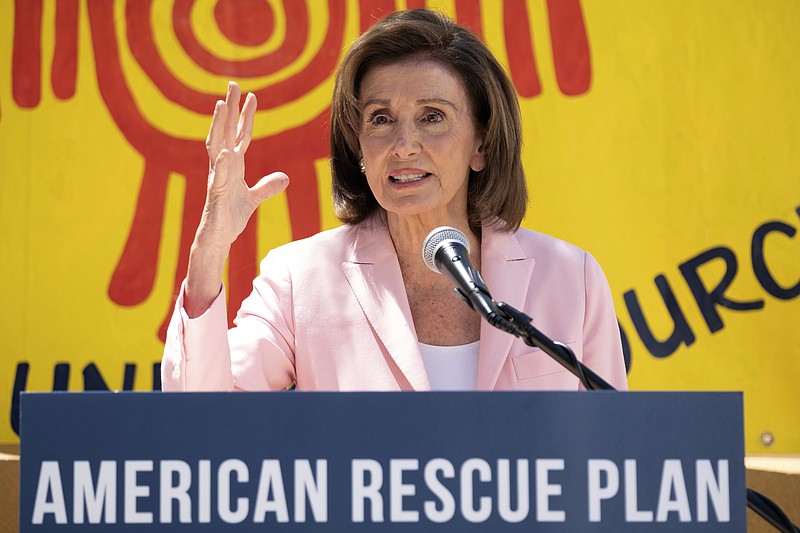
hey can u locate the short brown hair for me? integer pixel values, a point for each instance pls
(495, 195)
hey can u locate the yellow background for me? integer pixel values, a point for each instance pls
(687, 140)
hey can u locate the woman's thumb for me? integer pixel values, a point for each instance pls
(270, 185)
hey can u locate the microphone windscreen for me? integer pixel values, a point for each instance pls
(440, 237)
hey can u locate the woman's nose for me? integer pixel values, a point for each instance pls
(406, 140)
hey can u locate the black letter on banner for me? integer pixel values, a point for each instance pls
(682, 333)
(626, 348)
(130, 375)
(156, 376)
(93, 379)
(20, 382)
(707, 301)
(760, 266)
(61, 377)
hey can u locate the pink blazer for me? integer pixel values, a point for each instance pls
(330, 313)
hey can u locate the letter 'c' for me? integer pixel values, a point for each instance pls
(760, 269)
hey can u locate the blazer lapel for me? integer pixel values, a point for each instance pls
(373, 273)
(507, 272)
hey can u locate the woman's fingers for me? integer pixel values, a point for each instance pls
(245, 128)
(216, 133)
(229, 129)
(232, 119)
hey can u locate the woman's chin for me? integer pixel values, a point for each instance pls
(426, 213)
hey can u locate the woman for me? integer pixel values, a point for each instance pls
(425, 132)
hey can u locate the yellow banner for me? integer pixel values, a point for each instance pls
(661, 136)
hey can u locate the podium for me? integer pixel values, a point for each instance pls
(350, 462)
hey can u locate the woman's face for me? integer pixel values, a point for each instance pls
(418, 139)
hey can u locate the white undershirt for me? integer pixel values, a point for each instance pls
(451, 367)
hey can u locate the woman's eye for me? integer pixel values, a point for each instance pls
(433, 117)
(378, 119)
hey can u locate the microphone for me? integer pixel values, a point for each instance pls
(446, 251)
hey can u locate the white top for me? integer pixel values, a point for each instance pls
(451, 367)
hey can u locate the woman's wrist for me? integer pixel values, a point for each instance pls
(203, 278)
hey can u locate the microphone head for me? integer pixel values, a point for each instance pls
(437, 238)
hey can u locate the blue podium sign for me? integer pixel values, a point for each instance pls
(350, 462)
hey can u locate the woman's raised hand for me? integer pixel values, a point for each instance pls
(229, 201)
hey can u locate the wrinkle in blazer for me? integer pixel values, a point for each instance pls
(331, 313)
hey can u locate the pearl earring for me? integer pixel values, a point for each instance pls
(361, 165)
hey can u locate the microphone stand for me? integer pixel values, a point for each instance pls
(513, 321)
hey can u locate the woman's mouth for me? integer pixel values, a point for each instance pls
(408, 178)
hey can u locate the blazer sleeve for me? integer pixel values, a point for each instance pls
(602, 344)
(201, 354)
(196, 353)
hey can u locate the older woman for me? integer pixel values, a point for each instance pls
(425, 132)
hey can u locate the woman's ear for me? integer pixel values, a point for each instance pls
(478, 160)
